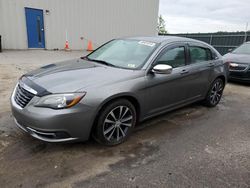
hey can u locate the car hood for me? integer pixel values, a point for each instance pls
(239, 58)
(78, 75)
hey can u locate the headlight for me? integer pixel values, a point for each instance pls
(233, 64)
(59, 101)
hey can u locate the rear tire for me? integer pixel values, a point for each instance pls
(215, 93)
(115, 123)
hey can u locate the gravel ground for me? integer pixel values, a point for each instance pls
(191, 147)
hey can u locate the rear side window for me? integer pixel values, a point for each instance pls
(199, 54)
(174, 57)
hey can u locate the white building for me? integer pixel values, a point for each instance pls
(48, 23)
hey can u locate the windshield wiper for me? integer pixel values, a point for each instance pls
(101, 61)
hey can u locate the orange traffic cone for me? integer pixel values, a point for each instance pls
(90, 46)
(66, 48)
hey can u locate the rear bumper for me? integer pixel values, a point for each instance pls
(66, 125)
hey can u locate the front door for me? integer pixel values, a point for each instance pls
(35, 28)
(165, 91)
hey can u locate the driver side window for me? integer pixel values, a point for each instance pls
(174, 57)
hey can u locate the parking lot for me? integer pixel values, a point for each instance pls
(194, 146)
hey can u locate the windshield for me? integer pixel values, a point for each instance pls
(130, 54)
(243, 49)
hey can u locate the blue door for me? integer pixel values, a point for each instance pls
(35, 28)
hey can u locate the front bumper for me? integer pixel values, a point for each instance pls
(51, 125)
(45, 136)
(243, 76)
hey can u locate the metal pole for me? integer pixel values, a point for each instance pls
(245, 39)
(0, 43)
(66, 33)
(211, 39)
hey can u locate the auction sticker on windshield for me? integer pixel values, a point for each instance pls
(151, 44)
(131, 65)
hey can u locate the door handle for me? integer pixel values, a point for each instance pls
(184, 71)
(211, 65)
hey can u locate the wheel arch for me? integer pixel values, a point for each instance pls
(131, 98)
(221, 77)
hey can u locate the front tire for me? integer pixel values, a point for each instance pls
(115, 123)
(215, 93)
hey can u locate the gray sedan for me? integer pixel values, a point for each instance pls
(239, 61)
(107, 93)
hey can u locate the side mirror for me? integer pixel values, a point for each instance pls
(162, 69)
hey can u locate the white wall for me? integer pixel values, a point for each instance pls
(98, 20)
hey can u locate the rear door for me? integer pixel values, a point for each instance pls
(200, 66)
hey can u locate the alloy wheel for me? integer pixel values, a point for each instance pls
(117, 123)
(216, 92)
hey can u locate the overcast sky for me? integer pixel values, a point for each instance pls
(184, 16)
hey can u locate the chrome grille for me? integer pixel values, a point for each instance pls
(22, 96)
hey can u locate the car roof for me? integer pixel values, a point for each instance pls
(164, 39)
